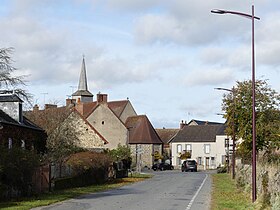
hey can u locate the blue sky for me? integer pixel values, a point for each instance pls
(166, 56)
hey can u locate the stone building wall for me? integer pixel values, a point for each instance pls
(109, 126)
(86, 136)
(144, 154)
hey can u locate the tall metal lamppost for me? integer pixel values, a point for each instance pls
(233, 128)
(252, 17)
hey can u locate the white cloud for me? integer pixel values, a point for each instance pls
(206, 77)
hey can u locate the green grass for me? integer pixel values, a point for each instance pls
(53, 197)
(225, 194)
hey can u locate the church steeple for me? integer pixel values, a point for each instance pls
(82, 94)
(83, 77)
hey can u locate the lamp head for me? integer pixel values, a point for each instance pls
(218, 11)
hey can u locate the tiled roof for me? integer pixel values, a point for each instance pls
(199, 133)
(117, 106)
(141, 131)
(87, 107)
(166, 134)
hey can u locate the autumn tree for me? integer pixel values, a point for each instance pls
(62, 138)
(237, 105)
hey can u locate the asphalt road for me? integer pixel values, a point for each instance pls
(167, 190)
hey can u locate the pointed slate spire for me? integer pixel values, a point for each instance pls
(83, 77)
(82, 94)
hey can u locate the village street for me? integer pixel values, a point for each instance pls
(167, 190)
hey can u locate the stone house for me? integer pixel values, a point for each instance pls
(108, 117)
(143, 141)
(67, 123)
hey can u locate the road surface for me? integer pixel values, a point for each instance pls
(167, 190)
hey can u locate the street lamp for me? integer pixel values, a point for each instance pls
(252, 17)
(233, 128)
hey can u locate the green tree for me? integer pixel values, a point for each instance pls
(7, 79)
(238, 109)
(122, 152)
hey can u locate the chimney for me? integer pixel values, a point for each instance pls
(36, 107)
(50, 106)
(70, 101)
(102, 98)
(80, 108)
(183, 124)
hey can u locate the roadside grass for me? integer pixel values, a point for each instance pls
(225, 194)
(61, 195)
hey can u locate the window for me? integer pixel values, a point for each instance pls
(10, 145)
(189, 148)
(22, 144)
(179, 148)
(206, 148)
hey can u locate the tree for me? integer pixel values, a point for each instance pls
(62, 137)
(238, 109)
(122, 152)
(8, 81)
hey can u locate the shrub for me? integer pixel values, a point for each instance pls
(16, 169)
(88, 168)
(222, 169)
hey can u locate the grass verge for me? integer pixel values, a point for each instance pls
(225, 194)
(53, 197)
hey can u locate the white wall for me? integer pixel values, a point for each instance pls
(209, 160)
(109, 126)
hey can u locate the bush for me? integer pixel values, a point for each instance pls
(88, 161)
(222, 169)
(16, 169)
(88, 168)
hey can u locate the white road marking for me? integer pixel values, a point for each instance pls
(195, 195)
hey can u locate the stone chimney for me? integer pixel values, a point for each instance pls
(183, 124)
(102, 98)
(50, 106)
(70, 101)
(36, 107)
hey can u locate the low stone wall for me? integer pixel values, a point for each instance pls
(268, 183)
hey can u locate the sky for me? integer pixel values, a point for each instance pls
(165, 56)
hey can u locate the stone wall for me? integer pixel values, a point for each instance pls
(144, 153)
(268, 183)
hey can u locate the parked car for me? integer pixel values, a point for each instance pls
(162, 166)
(189, 165)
